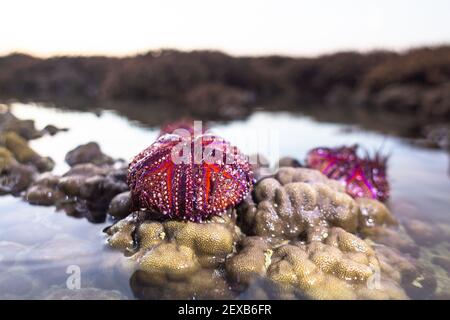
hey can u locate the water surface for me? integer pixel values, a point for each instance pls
(38, 244)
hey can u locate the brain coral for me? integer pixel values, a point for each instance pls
(297, 199)
(342, 266)
(173, 253)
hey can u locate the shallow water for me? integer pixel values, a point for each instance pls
(38, 245)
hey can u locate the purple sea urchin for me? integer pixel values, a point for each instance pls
(363, 177)
(189, 177)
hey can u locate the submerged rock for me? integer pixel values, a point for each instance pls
(17, 283)
(56, 293)
(85, 190)
(425, 233)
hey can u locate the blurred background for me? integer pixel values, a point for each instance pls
(346, 61)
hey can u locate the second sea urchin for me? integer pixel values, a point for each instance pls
(364, 177)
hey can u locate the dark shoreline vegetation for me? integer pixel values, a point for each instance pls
(406, 94)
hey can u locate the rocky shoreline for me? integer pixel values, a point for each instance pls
(404, 93)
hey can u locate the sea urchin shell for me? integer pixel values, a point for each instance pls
(189, 177)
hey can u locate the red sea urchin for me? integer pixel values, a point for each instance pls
(189, 177)
(363, 177)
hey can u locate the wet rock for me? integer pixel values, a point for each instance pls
(85, 190)
(87, 169)
(120, 205)
(88, 153)
(44, 191)
(23, 153)
(24, 128)
(289, 162)
(52, 130)
(6, 158)
(15, 179)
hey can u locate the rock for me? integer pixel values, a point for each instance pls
(17, 283)
(443, 262)
(23, 128)
(52, 130)
(6, 158)
(289, 162)
(88, 153)
(85, 190)
(23, 153)
(44, 191)
(393, 238)
(9, 252)
(120, 205)
(15, 179)
(423, 233)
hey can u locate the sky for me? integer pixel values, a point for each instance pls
(245, 27)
